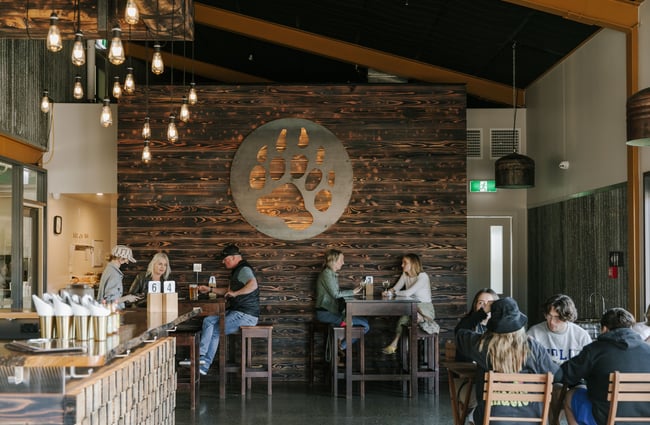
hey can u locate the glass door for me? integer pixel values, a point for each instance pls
(32, 253)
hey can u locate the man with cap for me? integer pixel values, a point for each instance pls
(618, 348)
(110, 284)
(243, 309)
(504, 348)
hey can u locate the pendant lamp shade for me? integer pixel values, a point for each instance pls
(514, 171)
(638, 118)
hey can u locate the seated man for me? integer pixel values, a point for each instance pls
(243, 304)
(561, 337)
(618, 348)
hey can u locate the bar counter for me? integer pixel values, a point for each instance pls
(129, 378)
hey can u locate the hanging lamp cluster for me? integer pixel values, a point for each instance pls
(514, 171)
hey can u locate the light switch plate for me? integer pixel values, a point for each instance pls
(197, 267)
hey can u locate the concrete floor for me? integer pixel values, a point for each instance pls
(298, 403)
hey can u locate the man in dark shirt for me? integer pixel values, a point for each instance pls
(243, 309)
(618, 348)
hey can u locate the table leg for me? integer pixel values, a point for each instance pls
(413, 348)
(348, 354)
(223, 349)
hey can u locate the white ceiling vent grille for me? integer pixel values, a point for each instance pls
(474, 146)
(502, 143)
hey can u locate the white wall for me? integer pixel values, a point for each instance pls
(577, 113)
(83, 154)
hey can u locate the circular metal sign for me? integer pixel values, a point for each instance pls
(291, 179)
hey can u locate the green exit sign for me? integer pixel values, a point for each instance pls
(482, 186)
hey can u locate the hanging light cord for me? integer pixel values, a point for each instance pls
(514, 96)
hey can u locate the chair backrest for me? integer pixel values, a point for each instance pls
(517, 390)
(634, 387)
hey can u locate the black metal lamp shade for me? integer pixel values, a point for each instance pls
(514, 171)
(638, 118)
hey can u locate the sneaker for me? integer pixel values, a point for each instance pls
(187, 363)
(203, 372)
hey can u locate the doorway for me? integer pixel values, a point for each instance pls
(489, 254)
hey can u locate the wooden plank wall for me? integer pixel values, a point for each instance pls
(407, 148)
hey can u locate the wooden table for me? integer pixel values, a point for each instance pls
(465, 371)
(398, 306)
(215, 307)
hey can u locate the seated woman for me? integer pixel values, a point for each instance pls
(328, 293)
(477, 316)
(504, 348)
(157, 270)
(415, 283)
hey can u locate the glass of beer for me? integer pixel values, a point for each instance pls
(194, 291)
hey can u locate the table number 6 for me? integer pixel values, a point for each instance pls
(154, 287)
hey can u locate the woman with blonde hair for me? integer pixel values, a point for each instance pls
(504, 348)
(413, 282)
(157, 270)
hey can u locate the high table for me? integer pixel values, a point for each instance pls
(214, 307)
(377, 306)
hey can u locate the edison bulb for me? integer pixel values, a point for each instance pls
(184, 115)
(146, 152)
(116, 51)
(129, 82)
(146, 129)
(54, 43)
(78, 90)
(78, 51)
(157, 64)
(172, 132)
(192, 98)
(45, 102)
(131, 13)
(117, 88)
(106, 117)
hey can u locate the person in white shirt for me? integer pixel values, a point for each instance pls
(562, 338)
(415, 283)
(643, 328)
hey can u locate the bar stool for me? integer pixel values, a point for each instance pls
(338, 333)
(316, 327)
(189, 336)
(248, 371)
(429, 364)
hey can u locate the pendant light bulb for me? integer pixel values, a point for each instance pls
(146, 152)
(146, 129)
(172, 132)
(192, 98)
(185, 111)
(78, 90)
(78, 51)
(45, 102)
(131, 13)
(117, 88)
(129, 82)
(54, 43)
(157, 64)
(116, 51)
(106, 118)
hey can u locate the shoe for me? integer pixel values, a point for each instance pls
(203, 372)
(389, 349)
(187, 363)
(340, 358)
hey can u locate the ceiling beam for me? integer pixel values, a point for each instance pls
(620, 15)
(350, 53)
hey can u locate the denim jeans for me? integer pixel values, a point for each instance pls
(336, 319)
(210, 333)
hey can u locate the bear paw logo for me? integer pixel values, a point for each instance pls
(291, 179)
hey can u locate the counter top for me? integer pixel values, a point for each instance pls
(137, 327)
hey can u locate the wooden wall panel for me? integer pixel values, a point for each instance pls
(407, 148)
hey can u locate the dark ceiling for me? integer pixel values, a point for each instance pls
(347, 41)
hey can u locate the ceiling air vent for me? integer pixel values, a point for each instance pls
(474, 138)
(502, 143)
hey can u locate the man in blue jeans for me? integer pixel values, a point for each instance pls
(243, 304)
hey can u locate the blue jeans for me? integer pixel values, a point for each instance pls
(210, 333)
(336, 319)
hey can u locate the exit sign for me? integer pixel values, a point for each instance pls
(482, 186)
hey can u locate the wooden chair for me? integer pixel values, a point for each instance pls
(517, 387)
(248, 370)
(624, 387)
